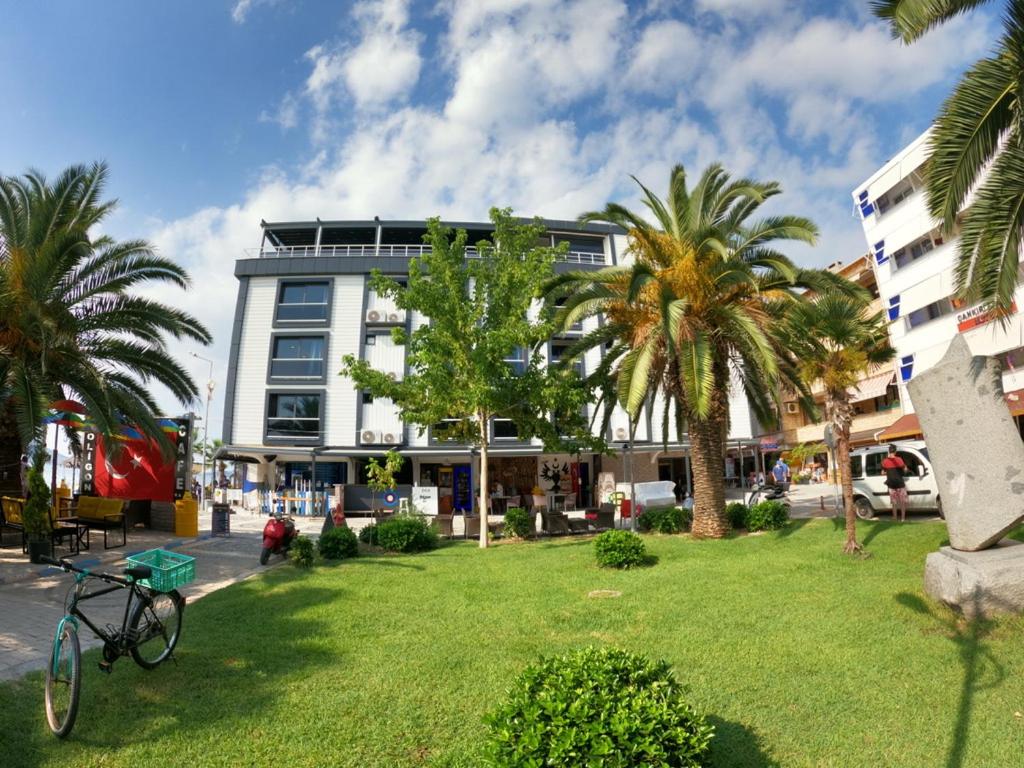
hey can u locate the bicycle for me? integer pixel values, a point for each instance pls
(149, 632)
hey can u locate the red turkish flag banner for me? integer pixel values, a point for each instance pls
(140, 472)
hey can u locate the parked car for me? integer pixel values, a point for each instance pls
(870, 494)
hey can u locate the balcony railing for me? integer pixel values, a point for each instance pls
(402, 251)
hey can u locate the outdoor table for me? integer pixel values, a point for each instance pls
(80, 529)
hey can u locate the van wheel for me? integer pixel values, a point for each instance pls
(938, 507)
(863, 508)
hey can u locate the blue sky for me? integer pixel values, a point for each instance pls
(214, 114)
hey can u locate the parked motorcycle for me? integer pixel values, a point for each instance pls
(759, 493)
(278, 535)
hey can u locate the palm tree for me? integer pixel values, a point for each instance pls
(837, 339)
(693, 312)
(976, 147)
(70, 328)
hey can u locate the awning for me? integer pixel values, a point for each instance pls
(904, 426)
(871, 387)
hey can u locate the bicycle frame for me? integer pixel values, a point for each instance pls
(118, 641)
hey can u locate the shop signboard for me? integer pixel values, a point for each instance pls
(424, 499)
(462, 488)
(87, 484)
(975, 316)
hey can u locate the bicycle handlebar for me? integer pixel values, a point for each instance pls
(68, 566)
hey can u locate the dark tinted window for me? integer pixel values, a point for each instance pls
(295, 416)
(302, 301)
(873, 463)
(856, 466)
(298, 357)
(504, 429)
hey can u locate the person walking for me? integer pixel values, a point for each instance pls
(895, 469)
(780, 473)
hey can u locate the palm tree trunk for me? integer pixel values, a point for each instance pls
(842, 416)
(482, 421)
(709, 520)
(11, 451)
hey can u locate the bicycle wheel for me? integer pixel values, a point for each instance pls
(156, 625)
(63, 681)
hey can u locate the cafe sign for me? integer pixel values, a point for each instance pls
(976, 316)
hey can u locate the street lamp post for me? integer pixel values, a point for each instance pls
(206, 427)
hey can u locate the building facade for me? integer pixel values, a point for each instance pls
(304, 301)
(914, 267)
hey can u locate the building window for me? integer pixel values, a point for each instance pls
(559, 354)
(302, 302)
(928, 313)
(441, 432)
(516, 359)
(294, 416)
(297, 357)
(371, 339)
(915, 250)
(505, 429)
(367, 398)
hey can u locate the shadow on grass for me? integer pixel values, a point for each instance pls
(792, 527)
(877, 527)
(980, 667)
(380, 558)
(736, 746)
(240, 650)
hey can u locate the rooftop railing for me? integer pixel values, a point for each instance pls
(404, 251)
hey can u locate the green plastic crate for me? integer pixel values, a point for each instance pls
(170, 570)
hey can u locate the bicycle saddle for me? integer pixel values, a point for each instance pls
(139, 572)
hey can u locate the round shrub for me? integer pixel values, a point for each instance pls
(406, 533)
(619, 549)
(737, 514)
(368, 535)
(518, 523)
(301, 552)
(661, 520)
(338, 543)
(598, 707)
(767, 516)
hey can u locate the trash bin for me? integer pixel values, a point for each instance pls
(221, 522)
(186, 516)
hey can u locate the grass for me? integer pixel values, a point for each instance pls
(800, 657)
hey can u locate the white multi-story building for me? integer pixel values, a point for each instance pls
(304, 301)
(914, 266)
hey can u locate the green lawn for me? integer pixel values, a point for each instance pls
(798, 655)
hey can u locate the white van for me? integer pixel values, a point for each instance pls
(870, 494)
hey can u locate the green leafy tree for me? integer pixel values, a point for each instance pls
(976, 152)
(70, 326)
(693, 313)
(837, 340)
(482, 314)
(800, 453)
(36, 514)
(381, 477)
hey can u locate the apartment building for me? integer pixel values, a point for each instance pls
(876, 397)
(304, 301)
(914, 266)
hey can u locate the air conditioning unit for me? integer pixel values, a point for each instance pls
(394, 317)
(620, 434)
(373, 316)
(369, 437)
(792, 408)
(390, 438)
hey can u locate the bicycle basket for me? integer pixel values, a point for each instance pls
(170, 570)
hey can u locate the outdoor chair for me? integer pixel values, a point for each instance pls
(443, 523)
(555, 523)
(472, 525)
(102, 514)
(604, 518)
(10, 519)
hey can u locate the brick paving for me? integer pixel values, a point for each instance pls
(32, 596)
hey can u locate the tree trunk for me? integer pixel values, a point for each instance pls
(11, 451)
(709, 520)
(483, 480)
(842, 416)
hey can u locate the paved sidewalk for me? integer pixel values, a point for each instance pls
(32, 596)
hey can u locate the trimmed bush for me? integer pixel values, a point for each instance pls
(598, 707)
(406, 533)
(661, 520)
(368, 535)
(338, 543)
(737, 514)
(767, 516)
(302, 552)
(619, 549)
(518, 523)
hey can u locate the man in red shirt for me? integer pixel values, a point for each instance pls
(895, 468)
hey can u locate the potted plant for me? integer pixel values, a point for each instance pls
(36, 514)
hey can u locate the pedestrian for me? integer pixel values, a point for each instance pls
(895, 469)
(781, 474)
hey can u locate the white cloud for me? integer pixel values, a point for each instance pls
(286, 115)
(741, 8)
(241, 9)
(664, 57)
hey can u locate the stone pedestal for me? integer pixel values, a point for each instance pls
(978, 584)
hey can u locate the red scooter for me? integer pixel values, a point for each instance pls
(278, 534)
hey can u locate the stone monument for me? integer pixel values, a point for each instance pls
(978, 459)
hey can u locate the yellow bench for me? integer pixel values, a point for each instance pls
(10, 517)
(102, 514)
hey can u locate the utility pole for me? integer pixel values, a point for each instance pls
(210, 384)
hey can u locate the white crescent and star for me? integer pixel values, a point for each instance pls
(135, 462)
